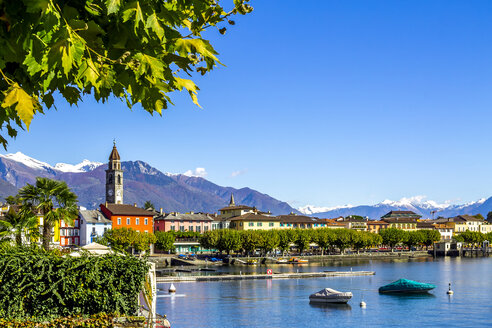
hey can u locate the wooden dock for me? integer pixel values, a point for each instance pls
(264, 276)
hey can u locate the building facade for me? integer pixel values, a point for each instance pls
(196, 222)
(93, 224)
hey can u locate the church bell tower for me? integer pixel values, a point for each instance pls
(114, 178)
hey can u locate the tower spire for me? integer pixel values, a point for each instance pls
(231, 203)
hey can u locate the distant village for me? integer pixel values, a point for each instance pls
(91, 224)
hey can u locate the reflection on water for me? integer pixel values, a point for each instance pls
(328, 307)
(285, 302)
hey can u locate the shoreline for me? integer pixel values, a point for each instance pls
(166, 260)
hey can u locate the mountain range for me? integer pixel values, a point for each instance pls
(184, 193)
(428, 209)
(142, 182)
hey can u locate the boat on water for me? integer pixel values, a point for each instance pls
(328, 295)
(252, 262)
(406, 286)
(296, 260)
(282, 261)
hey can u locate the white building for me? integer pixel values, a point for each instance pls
(93, 224)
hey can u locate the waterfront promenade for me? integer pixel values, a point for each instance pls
(297, 275)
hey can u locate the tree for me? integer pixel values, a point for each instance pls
(148, 205)
(55, 201)
(286, 238)
(414, 238)
(489, 217)
(133, 50)
(269, 240)
(479, 216)
(21, 222)
(392, 236)
(250, 240)
(324, 238)
(344, 239)
(302, 240)
(229, 240)
(164, 241)
(430, 237)
(210, 239)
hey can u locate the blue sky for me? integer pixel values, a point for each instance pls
(320, 102)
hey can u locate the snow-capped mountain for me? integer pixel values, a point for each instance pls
(84, 166)
(311, 209)
(27, 161)
(417, 204)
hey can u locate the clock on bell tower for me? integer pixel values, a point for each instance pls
(114, 178)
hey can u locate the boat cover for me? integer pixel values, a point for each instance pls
(330, 293)
(405, 285)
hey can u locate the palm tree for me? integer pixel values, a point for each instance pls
(55, 201)
(18, 223)
(148, 205)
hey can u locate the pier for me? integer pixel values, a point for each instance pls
(297, 275)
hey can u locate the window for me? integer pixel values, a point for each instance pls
(241, 224)
(173, 228)
(76, 232)
(137, 221)
(281, 224)
(127, 221)
(93, 230)
(205, 228)
(259, 224)
(119, 221)
(198, 229)
(62, 232)
(182, 228)
(146, 221)
(270, 224)
(190, 228)
(156, 228)
(146, 231)
(251, 224)
(105, 229)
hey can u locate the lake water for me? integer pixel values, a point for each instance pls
(285, 303)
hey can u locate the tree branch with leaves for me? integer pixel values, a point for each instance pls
(137, 51)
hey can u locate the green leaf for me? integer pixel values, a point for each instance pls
(133, 11)
(148, 62)
(153, 23)
(190, 86)
(24, 104)
(113, 6)
(203, 47)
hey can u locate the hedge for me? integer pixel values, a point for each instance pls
(45, 285)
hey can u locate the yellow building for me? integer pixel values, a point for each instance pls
(256, 221)
(233, 210)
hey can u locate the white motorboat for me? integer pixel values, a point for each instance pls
(328, 295)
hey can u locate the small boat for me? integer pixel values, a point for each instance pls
(406, 286)
(296, 260)
(252, 262)
(329, 295)
(172, 289)
(282, 261)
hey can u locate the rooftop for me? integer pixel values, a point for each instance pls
(93, 216)
(124, 209)
(184, 217)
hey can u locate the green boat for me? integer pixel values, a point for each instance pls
(406, 286)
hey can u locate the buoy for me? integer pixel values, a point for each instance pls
(362, 304)
(450, 292)
(172, 289)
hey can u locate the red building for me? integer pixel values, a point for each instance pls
(128, 216)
